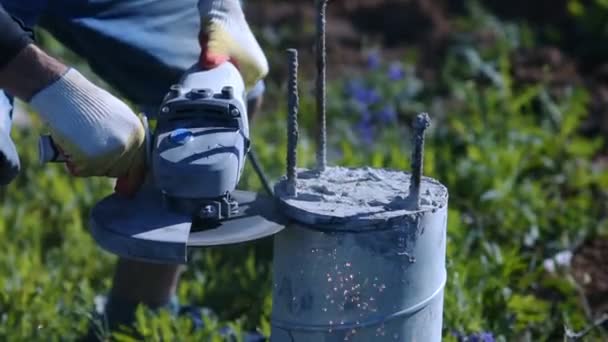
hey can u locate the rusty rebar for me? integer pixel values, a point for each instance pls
(292, 121)
(421, 123)
(321, 86)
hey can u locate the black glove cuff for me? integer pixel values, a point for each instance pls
(14, 36)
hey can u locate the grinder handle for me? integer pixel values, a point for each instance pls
(48, 151)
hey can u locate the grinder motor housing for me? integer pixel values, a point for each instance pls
(200, 143)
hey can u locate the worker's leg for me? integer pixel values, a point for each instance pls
(139, 47)
(137, 282)
(107, 41)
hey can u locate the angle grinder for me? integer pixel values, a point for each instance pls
(195, 157)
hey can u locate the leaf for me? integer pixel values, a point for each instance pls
(528, 310)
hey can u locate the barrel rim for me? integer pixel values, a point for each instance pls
(353, 226)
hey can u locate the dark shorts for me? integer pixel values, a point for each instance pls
(139, 47)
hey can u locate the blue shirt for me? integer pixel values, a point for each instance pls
(27, 10)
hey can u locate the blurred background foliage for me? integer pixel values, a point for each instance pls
(519, 145)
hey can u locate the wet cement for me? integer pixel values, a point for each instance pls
(340, 193)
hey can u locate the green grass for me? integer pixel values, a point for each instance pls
(523, 186)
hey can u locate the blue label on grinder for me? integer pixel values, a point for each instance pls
(180, 136)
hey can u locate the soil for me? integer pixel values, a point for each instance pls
(590, 272)
(355, 27)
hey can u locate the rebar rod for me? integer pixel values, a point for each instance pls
(292, 121)
(321, 86)
(421, 123)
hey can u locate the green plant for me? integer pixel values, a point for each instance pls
(523, 185)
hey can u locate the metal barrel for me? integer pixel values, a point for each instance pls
(360, 279)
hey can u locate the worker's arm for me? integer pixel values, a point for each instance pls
(13, 38)
(226, 35)
(24, 69)
(100, 135)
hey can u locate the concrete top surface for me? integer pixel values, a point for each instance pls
(367, 195)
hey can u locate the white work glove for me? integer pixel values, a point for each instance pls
(225, 35)
(99, 134)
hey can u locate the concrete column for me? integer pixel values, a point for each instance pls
(373, 275)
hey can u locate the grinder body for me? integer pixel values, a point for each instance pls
(201, 141)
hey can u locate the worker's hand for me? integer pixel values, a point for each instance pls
(9, 159)
(98, 134)
(225, 35)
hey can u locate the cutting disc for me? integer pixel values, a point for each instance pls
(142, 228)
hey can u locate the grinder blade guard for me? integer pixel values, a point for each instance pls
(196, 155)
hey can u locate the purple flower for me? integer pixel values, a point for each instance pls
(396, 71)
(353, 87)
(388, 114)
(373, 60)
(366, 116)
(366, 132)
(481, 337)
(365, 128)
(357, 90)
(367, 96)
(476, 337)
(373, 96)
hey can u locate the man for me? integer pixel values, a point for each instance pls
(139, 47)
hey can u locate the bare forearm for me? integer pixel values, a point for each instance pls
(29, 72)
(24, 68)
